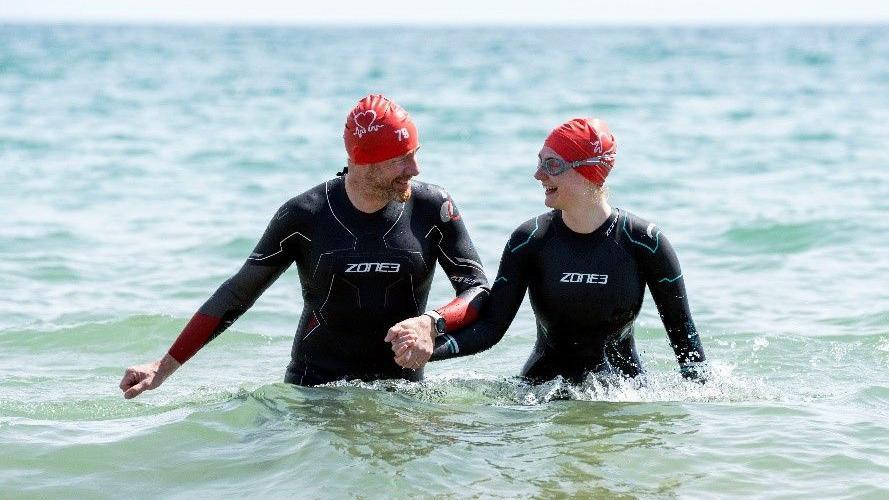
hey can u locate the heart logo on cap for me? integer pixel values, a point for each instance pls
(365, 122)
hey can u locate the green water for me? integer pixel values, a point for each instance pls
(139, 165)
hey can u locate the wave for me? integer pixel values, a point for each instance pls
(133, 334)
(722, 385)
(778, 237)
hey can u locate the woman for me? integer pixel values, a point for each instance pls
(586, 266)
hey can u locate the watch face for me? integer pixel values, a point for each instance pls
(440, 325)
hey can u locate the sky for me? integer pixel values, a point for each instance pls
(449, 12)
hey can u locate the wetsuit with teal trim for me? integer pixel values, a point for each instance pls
(361, 273)
(586, 291)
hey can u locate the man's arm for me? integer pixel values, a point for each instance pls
(232, 299)
(460, 262)
(506, 297)
(413, 338)
(223, 308)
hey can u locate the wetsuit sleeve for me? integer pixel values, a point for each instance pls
(506, 296)
(463, 267)
(664, 278)
(237, 294)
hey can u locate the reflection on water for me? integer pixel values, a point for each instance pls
(395, 422)
(392, 427)
(363, 423)
(398, 430)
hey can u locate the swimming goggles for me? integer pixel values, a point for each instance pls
(556, 166)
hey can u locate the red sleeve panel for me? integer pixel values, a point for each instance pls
(464, 309)
(195, 335)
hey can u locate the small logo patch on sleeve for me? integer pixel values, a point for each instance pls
(448, 212)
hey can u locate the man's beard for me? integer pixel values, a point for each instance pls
(401, 195)
(392, 192)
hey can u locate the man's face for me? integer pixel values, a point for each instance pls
(391, 179)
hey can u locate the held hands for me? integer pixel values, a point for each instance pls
(140, 378)
(412, 341)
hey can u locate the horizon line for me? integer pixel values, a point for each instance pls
(715, 23)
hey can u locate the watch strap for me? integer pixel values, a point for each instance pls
(438, 322)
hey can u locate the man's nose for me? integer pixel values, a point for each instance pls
(411, 167)
(539, 174)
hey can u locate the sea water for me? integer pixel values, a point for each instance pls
(140, 164)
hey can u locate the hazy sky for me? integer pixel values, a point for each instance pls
(451, 12)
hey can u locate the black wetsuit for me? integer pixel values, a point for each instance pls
(586, 292)
(360, 274)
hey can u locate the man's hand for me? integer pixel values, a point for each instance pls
(140, 378)
(412, 341)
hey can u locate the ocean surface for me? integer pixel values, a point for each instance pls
(139, 165)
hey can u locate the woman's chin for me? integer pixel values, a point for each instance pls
(551, 200)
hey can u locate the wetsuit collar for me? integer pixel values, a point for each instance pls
(355, 218)
(600, 233)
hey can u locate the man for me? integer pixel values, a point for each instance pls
(365, 244)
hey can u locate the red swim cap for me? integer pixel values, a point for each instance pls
(377, 130)
(582, 139)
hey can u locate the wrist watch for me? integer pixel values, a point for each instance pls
(437, 321)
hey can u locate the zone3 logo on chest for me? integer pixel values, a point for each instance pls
(596, 279)
(373, 267)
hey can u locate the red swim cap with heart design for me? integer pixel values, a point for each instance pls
(377, 130)
(584, 139)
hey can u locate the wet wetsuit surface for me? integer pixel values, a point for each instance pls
(360, 274)
(586, 291)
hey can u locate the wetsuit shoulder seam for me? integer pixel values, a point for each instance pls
(649, 240)
(330, 207)
(424, 193)
(532, 232)
(616, 240)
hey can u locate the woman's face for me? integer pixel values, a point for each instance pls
(564, 190)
